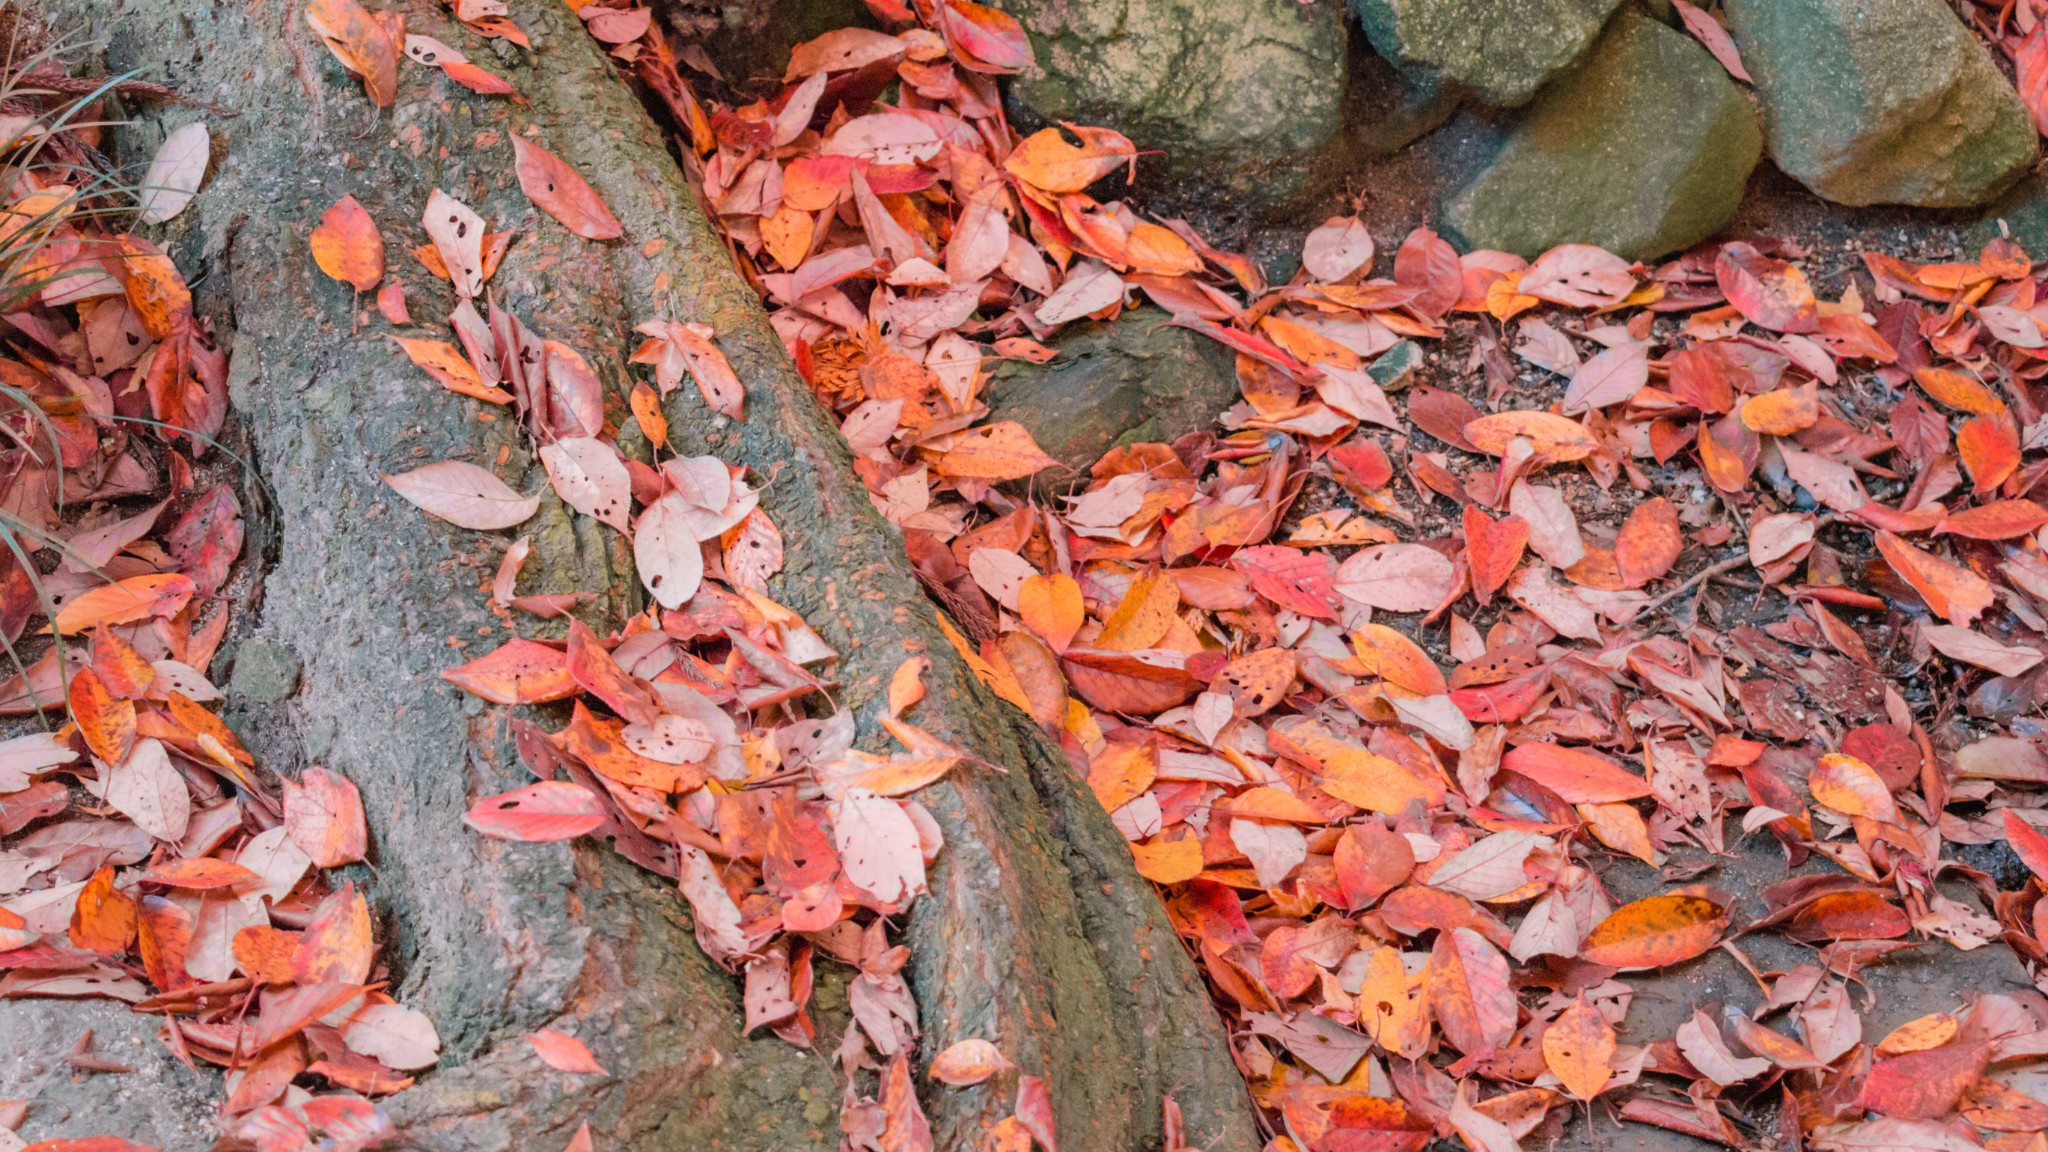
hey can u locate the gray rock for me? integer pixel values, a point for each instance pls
(1498, 51)
(1883, 101)
(1128, 380)
(1643, 149)
(1234, 93)
(1391, 109)
(265, 673)
(2021, 214)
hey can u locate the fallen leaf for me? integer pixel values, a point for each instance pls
(463, 494)
(557, 189)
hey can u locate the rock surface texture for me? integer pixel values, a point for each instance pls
(1643, 149)
(1235, 94)
(1134, 375)
(1883, 101)
(1498, 52)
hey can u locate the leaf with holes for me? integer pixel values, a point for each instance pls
(544, 811)
(561, 192)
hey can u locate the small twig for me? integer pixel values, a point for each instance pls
(1718, 568)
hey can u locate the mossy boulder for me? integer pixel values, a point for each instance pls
(1134, 378)
(1234, 94)
(1883, 101)
(1642, 149)
(1498, 52)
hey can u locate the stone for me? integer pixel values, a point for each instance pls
(2021, 214)
(1234, 94)
(1131, 379)
(1643, 149)
(265, 673)
(1391, 109)
(1498, 52)
(1883, 101)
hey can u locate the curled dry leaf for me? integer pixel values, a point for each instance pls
(969, 1062)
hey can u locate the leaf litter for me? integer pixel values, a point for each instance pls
(1367, 853)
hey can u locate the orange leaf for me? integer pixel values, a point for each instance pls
(1655, 932)
(265, 953)
(1051, 606)
(1169, 861)
(1958, 390)
(1398, 660)
(2028, 843)
(1257, 681)
(120, 667)
(1121, 773)
(198, 873)
(2001, 520)
(1578, 1048)
(1554, 438)
(107, 724)
(1469, 993)
(1785, 412)
(968, 1062)
(1952, 592)
(136, 598)
(1990, 449)
(1144, 616)
(520, 671)
(337, 947)
(906, 684)
(364, 44)
(564, 1053)
(1649, 542)
(995, 452)
(446, 363)
(1853, 788)
(348, 247)
(103, 920)
(646, 405)
(1045, 160)
(1769, 293)
(561, 192)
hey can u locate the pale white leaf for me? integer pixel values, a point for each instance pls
(589, 477)
(1396, 577)
(175, 173)
(147, 789)
(399, 1037)
(1336, 249)
(878, 846)
(666, 551)
(463, 494)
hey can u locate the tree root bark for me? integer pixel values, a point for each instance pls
(1038, 934)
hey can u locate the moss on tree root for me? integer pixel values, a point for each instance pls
(1038, 933)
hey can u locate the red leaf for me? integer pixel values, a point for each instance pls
(1492, 549)
(1578, 777)
(544, 811)
(2030, 74)
(1297, 580)
(1769, 293)
(2029, 844)
(561, 192)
